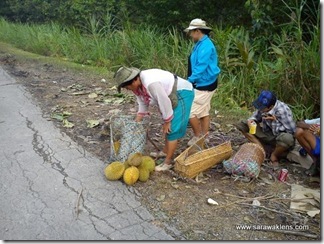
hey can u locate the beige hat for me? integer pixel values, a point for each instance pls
(124, 74)
(197, 24)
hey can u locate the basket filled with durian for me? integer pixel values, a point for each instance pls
(137, 167)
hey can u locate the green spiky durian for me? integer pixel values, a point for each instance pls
(115, 170)
(135, 159)
(148, 163)
(144, 174)
(131, 175)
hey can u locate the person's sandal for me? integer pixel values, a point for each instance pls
(163, 167)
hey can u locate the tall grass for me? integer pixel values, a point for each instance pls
(289, 66)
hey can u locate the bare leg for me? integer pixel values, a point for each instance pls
(205, 123)
(307, 140)
(171, 147)
(276, 154)
(195, 124)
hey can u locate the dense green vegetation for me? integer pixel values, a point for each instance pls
(268, 45)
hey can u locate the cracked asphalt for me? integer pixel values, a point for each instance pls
(52, 189)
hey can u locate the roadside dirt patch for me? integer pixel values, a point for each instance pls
(176, 202)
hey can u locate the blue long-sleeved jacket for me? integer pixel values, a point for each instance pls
(204, 63)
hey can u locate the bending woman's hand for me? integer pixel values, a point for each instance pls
(166, 128)
(139, 118)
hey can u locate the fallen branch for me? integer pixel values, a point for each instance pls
(270, 209)
(291, 199)
(269, 197)
(231, 195)
(248, 199)
(77, 204)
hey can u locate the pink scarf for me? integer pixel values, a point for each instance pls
(142, 92)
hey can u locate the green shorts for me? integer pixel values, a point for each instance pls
(283, 139)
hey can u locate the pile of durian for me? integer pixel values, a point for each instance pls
(136, 167)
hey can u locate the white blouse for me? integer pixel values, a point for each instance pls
(158, 86)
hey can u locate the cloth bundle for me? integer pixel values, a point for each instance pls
(249, 169)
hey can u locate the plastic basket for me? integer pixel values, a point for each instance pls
(126, 136)
(192, 161)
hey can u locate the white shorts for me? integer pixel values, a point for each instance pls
(201, 104)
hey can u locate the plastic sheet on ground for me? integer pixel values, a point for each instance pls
(310, 206)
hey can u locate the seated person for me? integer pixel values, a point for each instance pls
(308, 135)
(275, 125)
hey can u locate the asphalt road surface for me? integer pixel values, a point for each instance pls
(51, 189)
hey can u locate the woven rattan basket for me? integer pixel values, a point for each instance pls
(250, 152)
(191, 161)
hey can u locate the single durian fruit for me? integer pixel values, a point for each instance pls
(115, 170)
(144, 174)
(131, 175)
(148, 163)
(135, 159)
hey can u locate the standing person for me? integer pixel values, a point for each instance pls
(173, 96)
(275, 125)
(308, 135)
(203, 72)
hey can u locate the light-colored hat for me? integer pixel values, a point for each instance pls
(197, 24)
(124, 74)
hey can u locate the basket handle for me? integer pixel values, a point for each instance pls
(199, 148)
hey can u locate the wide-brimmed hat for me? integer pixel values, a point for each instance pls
(265, 100)
(125, 74)
(197, 24)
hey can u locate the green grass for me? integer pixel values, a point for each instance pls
(288, 65)
(24, 56)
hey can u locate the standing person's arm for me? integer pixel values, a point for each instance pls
(203, 57)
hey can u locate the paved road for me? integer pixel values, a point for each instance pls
(46, 178)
